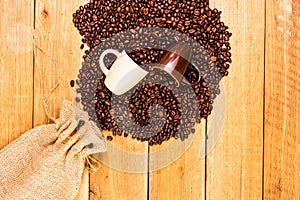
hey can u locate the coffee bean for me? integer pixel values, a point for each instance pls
(109, 138)
(90, 146)
(80, 124)
(72, 83)
(98, 21)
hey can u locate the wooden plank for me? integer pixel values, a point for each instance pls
(234, 167)
(16, 68)
(117, 178)
(282, 119)
(184, 178)
(84, 190)
(59, 38)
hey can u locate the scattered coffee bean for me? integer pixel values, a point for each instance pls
(77, 99)
(109, 138)
(80, 124)
(90, 146)
(72, 83)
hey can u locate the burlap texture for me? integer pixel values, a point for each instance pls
(47, 162)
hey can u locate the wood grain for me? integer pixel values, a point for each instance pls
(119, 181)
(282, 120)
(59, 38)
(16, 82)
(184, 178)
(84, 189)
(234, 167)
(242, 165)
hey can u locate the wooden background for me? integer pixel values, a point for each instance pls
(258, 153)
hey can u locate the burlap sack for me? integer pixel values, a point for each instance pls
(47, 162)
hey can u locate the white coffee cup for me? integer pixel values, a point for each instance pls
(123, 75)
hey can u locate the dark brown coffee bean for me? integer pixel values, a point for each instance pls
(90, 146)
(80, 124)
(98, 21)
(192, 31)
(107, 102)
(109, 138)
(72, 83)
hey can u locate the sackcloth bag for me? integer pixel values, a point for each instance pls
(48, 161)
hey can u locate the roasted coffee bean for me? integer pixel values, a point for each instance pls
(109, 138)
(80, 124)
(90, 146)
(77, 99)
(98, 21)
(72, 83)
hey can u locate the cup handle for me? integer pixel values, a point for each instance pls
(101, 60)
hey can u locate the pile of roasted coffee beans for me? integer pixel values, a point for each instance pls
(157, 109)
